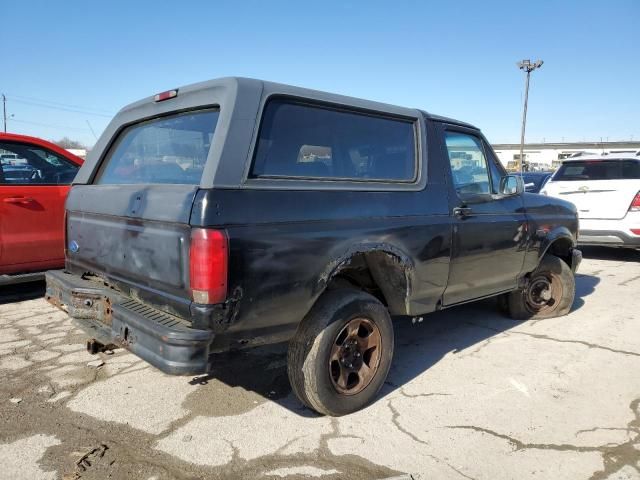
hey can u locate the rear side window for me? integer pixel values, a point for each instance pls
(171, 149)
(598, 170)
(306, 141)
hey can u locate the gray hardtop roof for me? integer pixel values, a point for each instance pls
(241, 100)
(453, 121)
(232, 83)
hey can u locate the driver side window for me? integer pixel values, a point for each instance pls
(468, 164)
(24, 164)
(497, 170)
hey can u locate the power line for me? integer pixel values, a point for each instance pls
(67, 105)
(91, 128)
(63, 127)
(85, 112)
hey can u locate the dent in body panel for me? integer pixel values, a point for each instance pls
(285, 245)
(549, 221)
(284, 268)
(392, 271)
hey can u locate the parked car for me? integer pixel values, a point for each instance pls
(8, 158)
(238, 212)
(34, 180)
(534, 181)
(606, 191)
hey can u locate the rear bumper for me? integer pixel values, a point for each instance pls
(612, 233)
(610, 238)
(21, 278)
(165, 341)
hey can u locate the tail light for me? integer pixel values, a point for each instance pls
(208, 265)
(635, 204)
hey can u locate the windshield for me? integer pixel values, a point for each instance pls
(171, 149)
(598, 170)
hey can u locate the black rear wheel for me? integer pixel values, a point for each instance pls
(341, 353)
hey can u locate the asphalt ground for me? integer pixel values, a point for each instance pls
(471, 394)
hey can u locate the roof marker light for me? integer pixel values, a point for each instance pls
(161, 97)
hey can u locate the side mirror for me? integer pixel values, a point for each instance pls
(512, 185)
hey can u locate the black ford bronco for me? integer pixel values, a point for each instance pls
(238, 212)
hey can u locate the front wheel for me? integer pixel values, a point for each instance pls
(549, 292)
(341, 353)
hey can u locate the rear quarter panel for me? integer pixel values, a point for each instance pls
(285, 244)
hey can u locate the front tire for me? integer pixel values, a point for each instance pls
(341, 354)
(549, 293)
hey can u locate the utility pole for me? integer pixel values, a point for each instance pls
(4, 111)
(528, 67)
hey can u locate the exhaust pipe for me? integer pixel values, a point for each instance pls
(94, 346)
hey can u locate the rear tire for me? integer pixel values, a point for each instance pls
(549, 292)
(340, 356)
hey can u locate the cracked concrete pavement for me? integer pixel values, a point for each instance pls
(471, 394)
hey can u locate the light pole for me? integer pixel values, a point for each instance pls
(4, 112)
(528, 67)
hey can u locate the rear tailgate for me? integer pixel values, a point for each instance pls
(600, 189)
(132, 233)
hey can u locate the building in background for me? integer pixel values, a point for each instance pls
(78, 152)
(548, 156)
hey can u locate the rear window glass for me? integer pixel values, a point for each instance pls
(598, 170)
(305, 141)
(171, 149)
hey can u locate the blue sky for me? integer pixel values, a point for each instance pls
(451, 58)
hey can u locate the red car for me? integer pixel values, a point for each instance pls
(35, 176)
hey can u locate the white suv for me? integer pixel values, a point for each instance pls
(606, 191)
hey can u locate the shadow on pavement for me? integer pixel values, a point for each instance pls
(418, 346)
(611, 253)
(21, 292)
(585, 286)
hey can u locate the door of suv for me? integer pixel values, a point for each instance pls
(33, 186)
(489, 228)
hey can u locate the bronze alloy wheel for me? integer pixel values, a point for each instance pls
(355, 356)
(543, 292)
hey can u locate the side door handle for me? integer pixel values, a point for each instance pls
(17, 200)
(462, 212)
